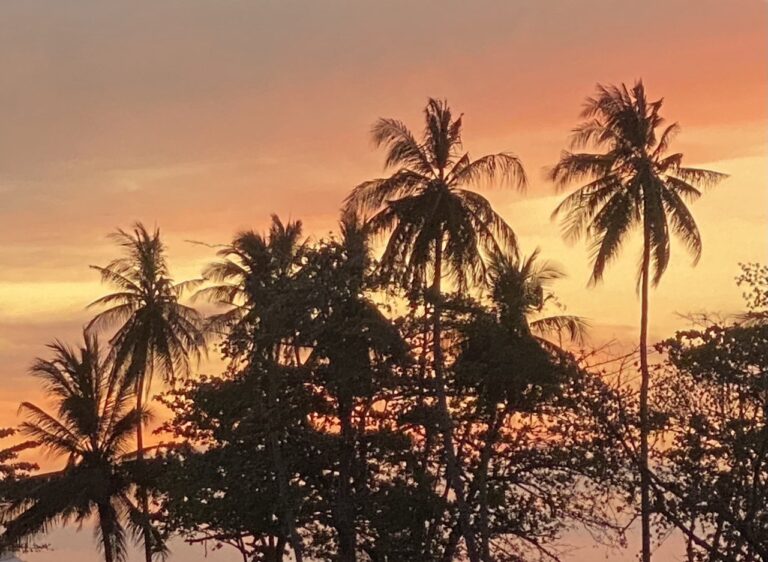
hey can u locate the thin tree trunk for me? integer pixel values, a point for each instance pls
(345, 509)
(138, 370)
(452, 468)
(645, 484)
(494, 428)
(106, 534)
(283, 483)
(142, 491)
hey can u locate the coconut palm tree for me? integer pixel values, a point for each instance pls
(438, 227)
(252, 282)
(249, 269)
(155, 333)
(92, 426)
(632, 181)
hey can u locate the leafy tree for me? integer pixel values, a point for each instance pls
(356, 356)
(254, 282)
(436, 227)
(12, 468)
(92, 427)
(712, 477)
(632, 181)
(754, 277)
(529, 436)
(345, 463)
(155, 331)
(222, 487)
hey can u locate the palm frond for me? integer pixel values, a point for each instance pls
(682, 222)
(702, 178)
(402, 148)
(576, 328)
(503, 167)
(371, 195)
(607, 230)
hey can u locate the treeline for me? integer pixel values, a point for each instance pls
(433, 403)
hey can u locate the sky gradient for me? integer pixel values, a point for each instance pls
(204, 117)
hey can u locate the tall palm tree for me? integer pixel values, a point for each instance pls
(250, 282)
(633, 181)
(155, 331)
(92, 426)
(436, 225)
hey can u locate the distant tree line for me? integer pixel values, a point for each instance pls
(429, 401)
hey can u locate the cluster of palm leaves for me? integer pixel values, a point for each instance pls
(93, 426)
(100, 400)
(438, 234)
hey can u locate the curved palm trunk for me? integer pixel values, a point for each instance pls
(452, 468)
(645, 484)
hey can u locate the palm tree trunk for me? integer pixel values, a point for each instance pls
(645, 484)
(452, 468)
(283, 483)
(345, 508)
(142, 491)
(106, 538)
(137, 371)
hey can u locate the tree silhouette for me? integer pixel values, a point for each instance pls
(632, 182)
(519, 287)
(253, 282)
(155, 331)
(92, 426)
(436, 226)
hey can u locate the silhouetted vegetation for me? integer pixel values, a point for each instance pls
(431, 404)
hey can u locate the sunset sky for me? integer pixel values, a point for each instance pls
(204, 117)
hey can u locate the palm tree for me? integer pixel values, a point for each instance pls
(250, 282)
(514, 346)
(436, 225)
(633, 181)
(520, 288)
(92, 426)
(247, 272)
(155, 332)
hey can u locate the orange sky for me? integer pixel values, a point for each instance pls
(204, 117)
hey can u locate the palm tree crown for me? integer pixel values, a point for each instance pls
(632, 181)
(436, 226)
(425, 200)
(520, 289)
(155, 330)
(250, 268)
(92, 426)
